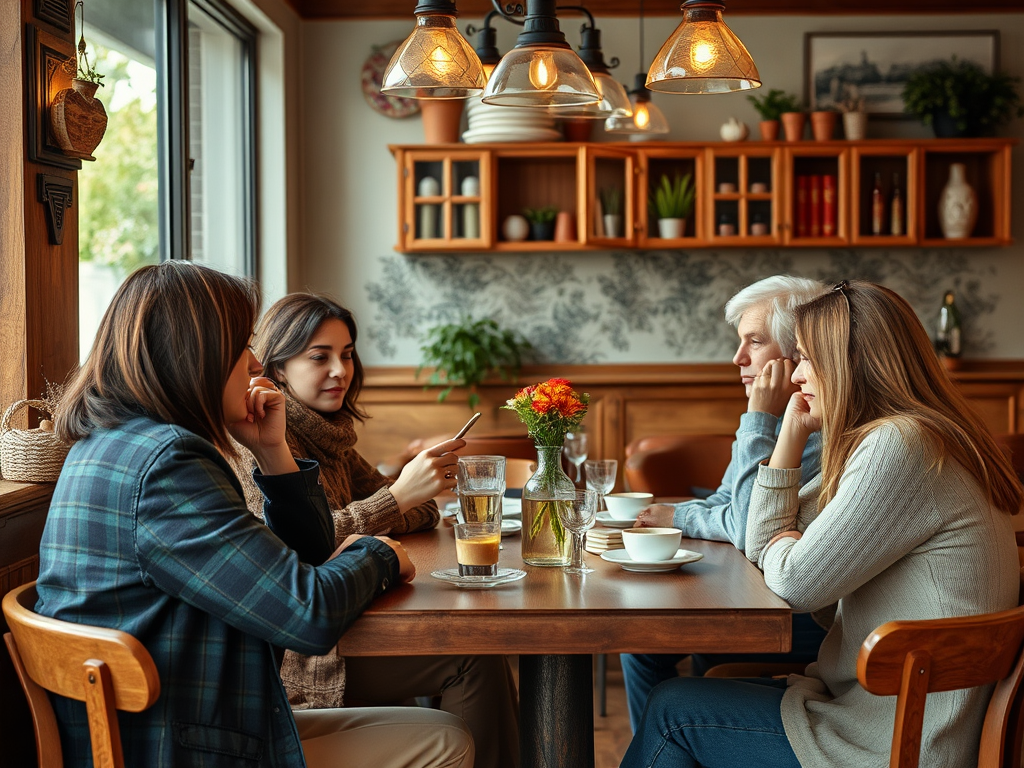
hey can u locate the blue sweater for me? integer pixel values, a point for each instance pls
(148, 533)
(722, 516)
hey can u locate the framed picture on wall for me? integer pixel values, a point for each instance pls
(875, 65)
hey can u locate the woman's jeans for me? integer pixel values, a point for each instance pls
(714, 723)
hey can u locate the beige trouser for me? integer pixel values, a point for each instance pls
(478, 689)
(383, 737)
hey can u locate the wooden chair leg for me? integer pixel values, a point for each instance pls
(601, 683)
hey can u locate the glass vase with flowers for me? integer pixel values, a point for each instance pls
(549, 410)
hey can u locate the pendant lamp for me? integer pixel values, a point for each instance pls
(703, 55)
(647, 117)
(542, 70)
(486, 46)
(435, 61)
(614, 99)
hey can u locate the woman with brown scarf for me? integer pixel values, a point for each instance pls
(307, 345)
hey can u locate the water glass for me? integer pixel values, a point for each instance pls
(575, 448)
(578, 516)
(481, 486)
(600, 474)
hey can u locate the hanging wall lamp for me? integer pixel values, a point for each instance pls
(703, 55)
(614, 99)
(542, 70)
(435, 61)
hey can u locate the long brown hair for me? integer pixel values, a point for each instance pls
(287, 328)
(165, 348)
(873, 362)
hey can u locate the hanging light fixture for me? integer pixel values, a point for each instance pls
(647, 118)
(703, 55)
(486, 46)
(435, 61)
(614, 99)
(542, 70)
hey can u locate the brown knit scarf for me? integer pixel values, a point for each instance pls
(327, 439)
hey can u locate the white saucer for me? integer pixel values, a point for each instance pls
(511, 527)
(511, 508)
(621, 558)
(606, 519)
(504, 576)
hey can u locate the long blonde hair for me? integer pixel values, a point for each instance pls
(873, 362)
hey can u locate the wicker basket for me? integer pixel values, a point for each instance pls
(30, 455)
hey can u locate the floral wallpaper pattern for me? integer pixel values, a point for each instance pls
(665, 306)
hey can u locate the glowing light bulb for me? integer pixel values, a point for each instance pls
(641, 116)
(441, 60)
(542, 70)
(703, 50)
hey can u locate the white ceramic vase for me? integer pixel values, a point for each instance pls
(515, 228)
(669, 229)
(855, 125)
(612, 225)
(958, 205)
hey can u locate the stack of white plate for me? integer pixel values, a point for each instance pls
(488, 123)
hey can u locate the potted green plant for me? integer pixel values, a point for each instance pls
(771, 107)
(958, 98)
(77, 118)
(855, 119)
(671, 202)
(611, 208)
(542, 222)
(464, 353)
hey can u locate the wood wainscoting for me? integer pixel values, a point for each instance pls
(627, 402)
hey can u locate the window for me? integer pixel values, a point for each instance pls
(139, 203)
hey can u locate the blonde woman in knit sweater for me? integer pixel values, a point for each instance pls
(909, 519)
(307, 343)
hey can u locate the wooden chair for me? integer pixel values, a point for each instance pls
(673, 465)
(910, 659)
(105, 668)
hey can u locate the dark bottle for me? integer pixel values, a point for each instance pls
(947, 338)
(877, 206)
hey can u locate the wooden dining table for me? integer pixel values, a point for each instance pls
(555, 621)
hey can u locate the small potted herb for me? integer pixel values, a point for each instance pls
(855, 119)
(464, 353)
(611, 208)
(671, 201)
(958, 98)
(771, 106)
(542, 222)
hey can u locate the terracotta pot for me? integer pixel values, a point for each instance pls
(441, 120)
(78, 119)
(769, 130)
(578, 130)
(793, 125)
(565, 227)
(823, 125)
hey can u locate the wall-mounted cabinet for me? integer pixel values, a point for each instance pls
(749, 194)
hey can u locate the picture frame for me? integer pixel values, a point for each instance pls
(876, 65)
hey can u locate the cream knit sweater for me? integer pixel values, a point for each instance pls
(902, 539)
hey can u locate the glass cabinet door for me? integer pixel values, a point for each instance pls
(448, 197)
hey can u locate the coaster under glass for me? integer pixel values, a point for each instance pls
(503, 576)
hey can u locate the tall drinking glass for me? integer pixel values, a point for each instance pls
(481, 486)
(578, 517)
(600, 474)
(575, 448)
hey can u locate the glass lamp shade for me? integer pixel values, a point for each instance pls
(647, 117)
(434, 62)
(703, 56)
(614, 102)
(541, 76)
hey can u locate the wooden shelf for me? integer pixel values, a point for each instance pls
(581, 177)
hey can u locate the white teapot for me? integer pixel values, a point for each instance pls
(734, 130)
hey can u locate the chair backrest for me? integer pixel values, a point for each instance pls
(910, 659)
(105, 668)
(673, 465)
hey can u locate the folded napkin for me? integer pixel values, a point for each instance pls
(603, 539)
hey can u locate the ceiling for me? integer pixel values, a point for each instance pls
(392, 9)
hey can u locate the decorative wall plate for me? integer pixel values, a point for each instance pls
(372, 77)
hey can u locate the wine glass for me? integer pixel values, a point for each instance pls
(578, 516)
(600, 475)
(575, 448)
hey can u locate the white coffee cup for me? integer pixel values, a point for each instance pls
(651, 544)
(626, 506)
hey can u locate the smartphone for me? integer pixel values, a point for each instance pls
(462, 432)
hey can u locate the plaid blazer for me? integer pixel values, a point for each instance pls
(148, 533)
